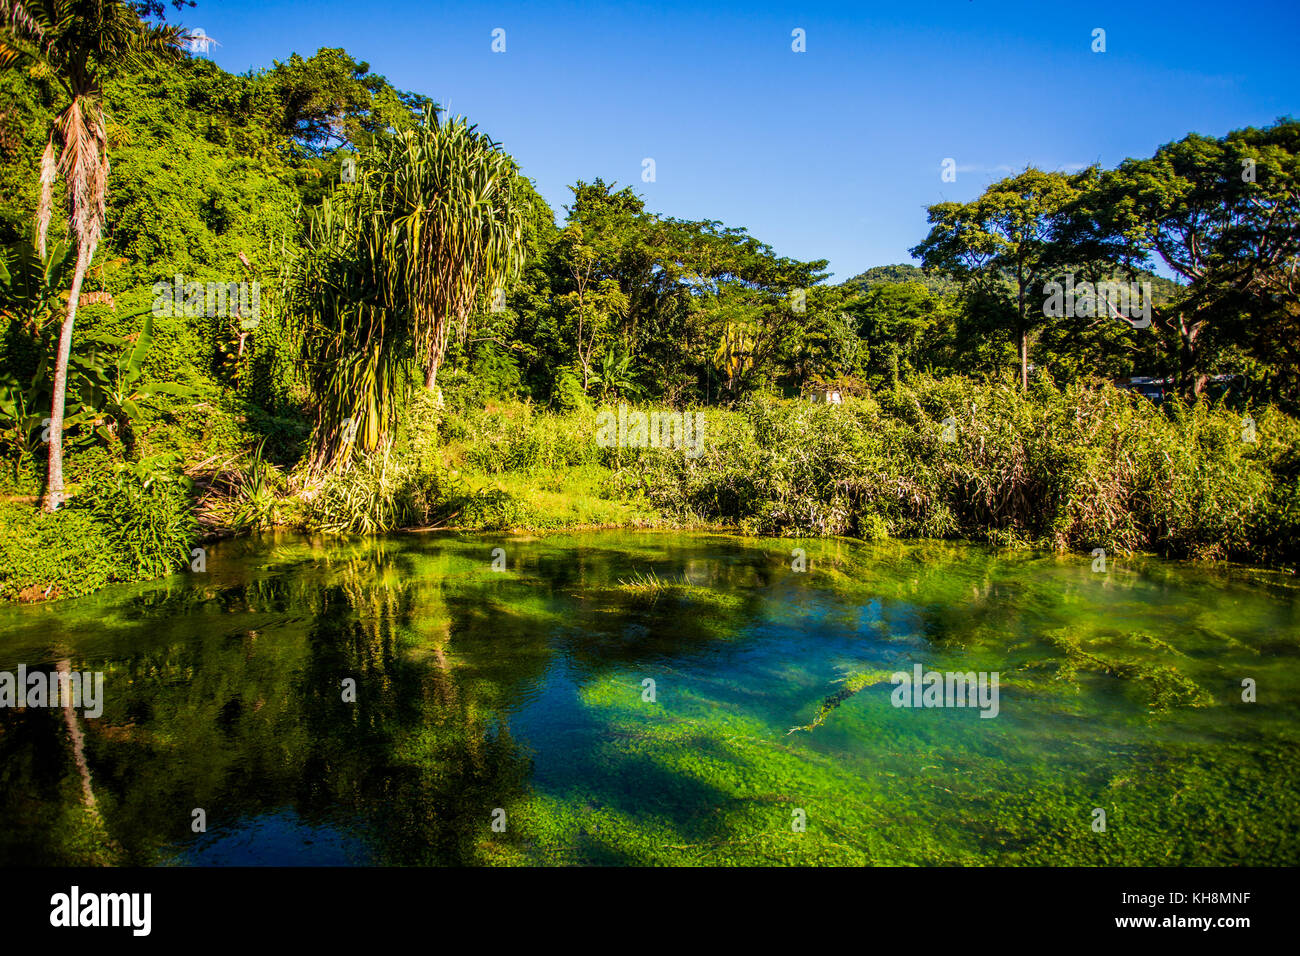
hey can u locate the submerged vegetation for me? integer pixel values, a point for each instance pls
(850, 685)
(1162, 684)
(525, 691)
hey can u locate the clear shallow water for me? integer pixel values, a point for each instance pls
(522, 691)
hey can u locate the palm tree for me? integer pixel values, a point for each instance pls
(354, 337)
(390, 265)
(78, 43)
(457, 228)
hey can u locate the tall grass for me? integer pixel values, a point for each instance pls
(1078, 468)
(519, 438)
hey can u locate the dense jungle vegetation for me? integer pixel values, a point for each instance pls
(418, 363)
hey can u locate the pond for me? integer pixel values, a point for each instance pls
(660, 698)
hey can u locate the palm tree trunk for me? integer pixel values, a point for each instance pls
(64, 668)
(1024, 359)
(49, 172)
(54, 479)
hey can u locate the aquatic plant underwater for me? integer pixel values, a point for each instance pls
(661, 698)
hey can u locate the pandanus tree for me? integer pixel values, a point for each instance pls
(392, 264)
(355, 339)
(78, 44)
(456, 228)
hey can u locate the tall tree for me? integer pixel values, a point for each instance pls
(447, 193)
(330, 100)
(608, 268)
(747, 301)
(893, 319)
(1003, 239)
(391, 265)
(79, 43)
(594, 303)
(1224, 216)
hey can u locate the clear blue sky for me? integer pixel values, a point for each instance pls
(833, 153)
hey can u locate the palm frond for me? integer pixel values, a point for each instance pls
(394, 263)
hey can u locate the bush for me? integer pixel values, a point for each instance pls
(567, 394)
(365, 498)
(148, 512)
(45, 556)
(1084, 467)
(247, 495)
(384, 492)
(130, 524)
(420, 433)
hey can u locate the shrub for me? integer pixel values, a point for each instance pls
(384, 492)
(1084, 467)
(365, 498)
(420, 431)
(148, 512)
(45, 556)
(133, 523)
(567, 394)
(243, 496)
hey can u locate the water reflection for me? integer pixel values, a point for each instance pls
(479, 692)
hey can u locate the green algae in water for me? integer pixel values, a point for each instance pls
(1164, 686)
(850, 686)
(525, 692)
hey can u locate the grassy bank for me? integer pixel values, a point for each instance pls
(1073, 469)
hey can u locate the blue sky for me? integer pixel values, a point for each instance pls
(832, 153)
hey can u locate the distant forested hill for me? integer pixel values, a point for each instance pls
(902, 272)
(1162, 289)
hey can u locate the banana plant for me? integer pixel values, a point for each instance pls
(22, 414)
(107, 382)
(110, 390)
(614, 375)
(32, 294)
(33, 288)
